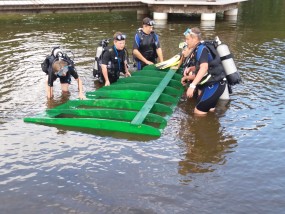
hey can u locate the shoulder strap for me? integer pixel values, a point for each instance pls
(155, 37)
(139, 37)
(199, 50)
(108, 48)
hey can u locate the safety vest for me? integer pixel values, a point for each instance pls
(116, 63)
(147, 44)
(216, 72)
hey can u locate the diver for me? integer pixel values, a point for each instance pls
(146, 47)
(206, 73)
(59, 65)
(183, 65)
(114, 60)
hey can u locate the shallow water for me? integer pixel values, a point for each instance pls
(228, 162)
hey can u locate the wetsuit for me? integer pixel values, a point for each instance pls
(115, 61)
(146, 44)
(63, 79)
(215, 86)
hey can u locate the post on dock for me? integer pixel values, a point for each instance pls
(160, 16)
(208, 16)
(231, 14)
(207, 8)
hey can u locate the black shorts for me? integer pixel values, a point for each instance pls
(210, 96)
(64, 79)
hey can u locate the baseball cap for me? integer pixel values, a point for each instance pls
(148, 21)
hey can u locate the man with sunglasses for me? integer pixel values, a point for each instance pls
(146, 47)
(62, 67)
(207, 76)
(114, 60)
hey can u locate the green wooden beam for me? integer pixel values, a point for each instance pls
(139, 118)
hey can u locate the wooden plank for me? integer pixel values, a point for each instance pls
(113, 104)
(139, 118)
(99, 124)
(139, 105)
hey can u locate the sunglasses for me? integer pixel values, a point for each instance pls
(62, 72)
(120, 37)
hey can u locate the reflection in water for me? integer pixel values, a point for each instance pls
(205, 141)
(161, 23)
(65, 96)
(233, 19)
(207, 25)
(66, 170)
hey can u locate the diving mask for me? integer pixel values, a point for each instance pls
(189, 31)
(120, 37)
(62, 71)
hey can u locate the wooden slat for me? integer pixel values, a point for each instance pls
(152, 99)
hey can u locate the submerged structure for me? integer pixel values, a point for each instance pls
(140, 104)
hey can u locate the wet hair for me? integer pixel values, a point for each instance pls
(196, 32)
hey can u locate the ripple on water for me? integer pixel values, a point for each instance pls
(227, 155)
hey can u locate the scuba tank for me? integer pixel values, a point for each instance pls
(96, 69)
(230, 68)
(98, 53)
(57, 52)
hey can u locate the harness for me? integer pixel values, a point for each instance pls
(147, 44)
(116, 64)
(46, 65)
(216, 71)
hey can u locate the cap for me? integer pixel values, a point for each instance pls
(148, 21)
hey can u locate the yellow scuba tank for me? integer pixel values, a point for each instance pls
(228, 63)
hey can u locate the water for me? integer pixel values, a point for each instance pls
(228, 162)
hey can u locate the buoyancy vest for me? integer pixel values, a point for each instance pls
(46, 66)
(216, 71)
(116, 63)
(147, 44)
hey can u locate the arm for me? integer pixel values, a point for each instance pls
(127, 74)
(49, 91)
(202, 71)
(80, 89)
(49, 86)
(159, 54)
(189, 77)
(105, 74)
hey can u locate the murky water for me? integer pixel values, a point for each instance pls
(228, 162)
